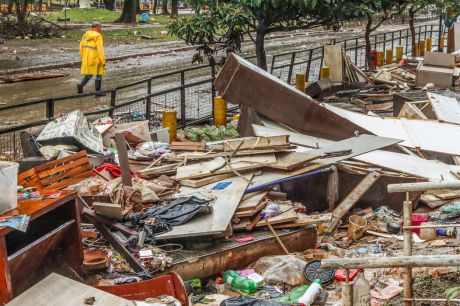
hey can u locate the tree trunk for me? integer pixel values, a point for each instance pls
(21, 14)
(10, 6)
(128, 14)
(367, 39)
(174, 8)
(412, 30)
(260, 46)
(155, 7)
(109, 5)
(164, 7)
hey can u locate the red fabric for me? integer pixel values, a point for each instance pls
(114, 170)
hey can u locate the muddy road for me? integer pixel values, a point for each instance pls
(132, 69)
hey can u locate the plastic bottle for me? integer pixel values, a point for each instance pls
(311, 294)
(239, 282)
(361, 291)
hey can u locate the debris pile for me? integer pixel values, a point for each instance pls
(313, 204)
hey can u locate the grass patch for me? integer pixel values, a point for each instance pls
(78, 15)
(121, 36)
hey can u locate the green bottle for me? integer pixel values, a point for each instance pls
(239, 282)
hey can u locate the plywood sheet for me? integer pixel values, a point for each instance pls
(251, 203)
(427, 135)
(412, 165)
(292, 160)
(203, 169)
(224, 207)
(57, 290)
(333, 58)
(446, 109)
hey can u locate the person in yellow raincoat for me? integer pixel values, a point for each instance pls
(92, 58)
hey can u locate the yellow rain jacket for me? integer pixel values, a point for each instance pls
(92, 54)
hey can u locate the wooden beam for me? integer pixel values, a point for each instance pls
(352, 198)
(123, 159)
(392, 262)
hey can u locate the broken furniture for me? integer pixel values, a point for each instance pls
(436, 68)
(170, 284)
(53, 223)
(57, 174)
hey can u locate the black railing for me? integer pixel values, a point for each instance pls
(286, 65)
(189, 91)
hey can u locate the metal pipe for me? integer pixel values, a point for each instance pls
(423, 186)
(407, 234)
(411, 227)
(392, 262)
(288, 179)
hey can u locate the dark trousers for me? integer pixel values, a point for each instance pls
(88, 77)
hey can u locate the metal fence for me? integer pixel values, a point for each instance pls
(189, 91)
(286, 65)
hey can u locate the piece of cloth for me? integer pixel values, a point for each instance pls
(92, 54)
(179, 211)
(19, 222)
(248, 301)
(114, 170)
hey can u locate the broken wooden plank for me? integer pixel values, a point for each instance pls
(411, 111)
(293, 160)
(123, 160)
(188, 146)
(306, 220)
(352, 198)
(224, 207)
(205, 169)
(257, 143)
(333, 58)
(206, 181)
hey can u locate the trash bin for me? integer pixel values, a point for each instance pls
(8, 186)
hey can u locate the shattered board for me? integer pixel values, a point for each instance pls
(72, 129)
(224, 207)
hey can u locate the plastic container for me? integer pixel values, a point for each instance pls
(356, 227)
(311, 294)
(8, 186)
(239, 282)
(272, 210)
(418, 220)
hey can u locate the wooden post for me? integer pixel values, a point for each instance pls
(407, 234)
(450, 40)
(123, 160)
(347, 291)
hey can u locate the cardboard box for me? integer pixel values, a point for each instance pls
(72, 129)
(436, 68)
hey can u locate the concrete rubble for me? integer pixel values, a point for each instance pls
(354, 181)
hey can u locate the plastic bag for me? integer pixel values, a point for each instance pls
(248, 301)
(284, 269)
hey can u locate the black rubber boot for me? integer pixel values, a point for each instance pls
(79, 89)
(98, 85)
(83, 82)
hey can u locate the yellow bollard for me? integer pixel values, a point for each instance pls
(399, 53)
(421, 48)
(441, 43)
(300, 81)
(380, 58)
(325, 73)
(429, 43)
(170, 121)
(389, 57)
(220, 111)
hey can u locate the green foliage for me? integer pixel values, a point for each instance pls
(452, 293)
(221, 25)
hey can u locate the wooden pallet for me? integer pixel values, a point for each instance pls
(57, 174)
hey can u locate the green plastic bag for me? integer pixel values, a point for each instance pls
(293, 296)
